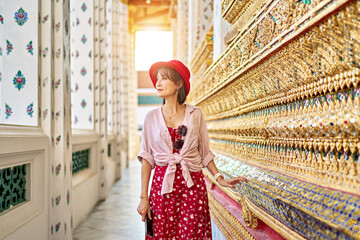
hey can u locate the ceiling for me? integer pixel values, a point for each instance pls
(150, 14)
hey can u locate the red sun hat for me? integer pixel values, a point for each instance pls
(175, 64)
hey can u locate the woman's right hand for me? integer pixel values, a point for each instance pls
(144, 208)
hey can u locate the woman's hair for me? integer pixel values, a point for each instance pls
(174, 76)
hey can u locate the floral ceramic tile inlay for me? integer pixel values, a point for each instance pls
(30, 48)
(45, 113)
(83, 39)
(8, 111)
(30, 110)
(83, 71)
(21, 17)
(83, 103)
(45, 52)
(19, 80)
(45, 19)
(9, 47)
(57, 227)
(83, 7)
(57, 200)
(57, 169)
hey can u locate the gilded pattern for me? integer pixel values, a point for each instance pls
(203, 58)
(310, 210)
(233, 9)
(281, 104)
(230, 226)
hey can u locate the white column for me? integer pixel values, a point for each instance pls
(221, 27)
(62, 176)
(193, 27)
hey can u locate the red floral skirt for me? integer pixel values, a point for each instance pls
(183, 213)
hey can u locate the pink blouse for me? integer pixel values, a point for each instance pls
(157, 146)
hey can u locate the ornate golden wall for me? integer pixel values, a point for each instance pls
(282, 109)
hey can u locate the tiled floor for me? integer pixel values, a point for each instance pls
(116, 218)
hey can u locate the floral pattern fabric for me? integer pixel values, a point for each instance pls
(184, 212)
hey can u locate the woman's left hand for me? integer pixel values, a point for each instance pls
(230, 182)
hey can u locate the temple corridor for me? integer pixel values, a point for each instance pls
(277, 83)
(116, 218)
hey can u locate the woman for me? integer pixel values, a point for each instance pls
(175, 142)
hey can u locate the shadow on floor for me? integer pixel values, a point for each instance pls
(116, 218)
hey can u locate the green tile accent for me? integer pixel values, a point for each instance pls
(12, 186)
(109, 150)
(147, 100)
(80, 160)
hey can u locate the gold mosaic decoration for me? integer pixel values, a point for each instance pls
(203, 58)
(300, 208)
(251, 212)
(233, 9)
(285, 97)
(230, 225)
(299, 106)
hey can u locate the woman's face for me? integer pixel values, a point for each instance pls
(165, 87)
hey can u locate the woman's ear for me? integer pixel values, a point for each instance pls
(179, 86)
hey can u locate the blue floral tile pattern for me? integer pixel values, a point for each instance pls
(8, 111)
(83, 71)
(19, 80)
(30, 48)
(30, 110)
(83, 39)
(83, 103)
(83, 7)
(21, 17)
(9, 47)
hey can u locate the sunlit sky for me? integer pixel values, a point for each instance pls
(152, 46)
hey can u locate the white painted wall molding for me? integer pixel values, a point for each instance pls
(34, 213)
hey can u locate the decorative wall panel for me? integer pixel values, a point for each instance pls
(80, 161)
(19, 62)
(82, 64)
(13, 186)
(281, 105)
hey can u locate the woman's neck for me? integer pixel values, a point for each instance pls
(172, 105)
